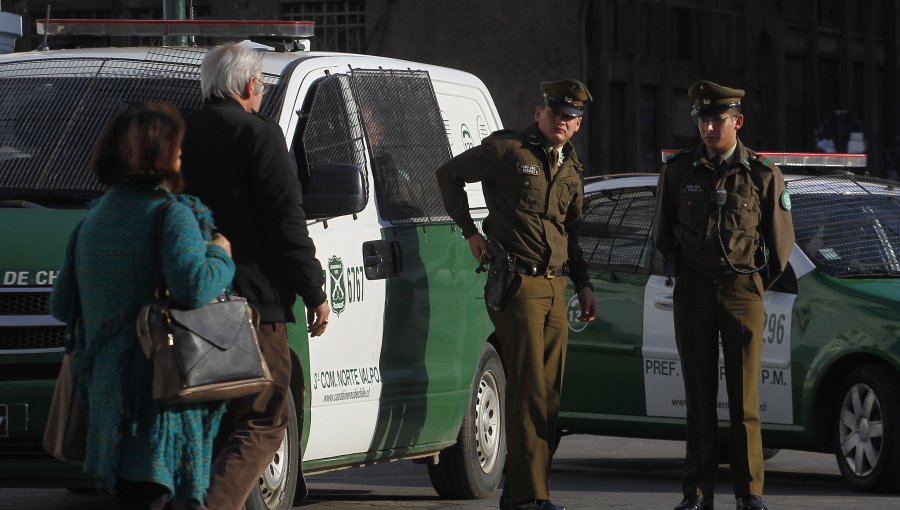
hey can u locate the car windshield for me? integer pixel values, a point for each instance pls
(849, 226)
(52, 110)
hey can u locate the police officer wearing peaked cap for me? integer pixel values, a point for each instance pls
(532, 183)
(723, 217)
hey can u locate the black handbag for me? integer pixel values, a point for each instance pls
(204, 354)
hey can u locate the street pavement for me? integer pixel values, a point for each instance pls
(590, 472)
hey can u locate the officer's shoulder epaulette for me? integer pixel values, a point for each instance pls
(500, 134)
(672, 156)
(760, 161)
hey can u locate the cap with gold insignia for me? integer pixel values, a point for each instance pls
(710, 98)
(567, 97)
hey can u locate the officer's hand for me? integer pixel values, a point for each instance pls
(479, 247)
(317, 318)
(588, 305)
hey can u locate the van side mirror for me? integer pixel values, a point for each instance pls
(334, 189)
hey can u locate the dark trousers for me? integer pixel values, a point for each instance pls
(533, 330)
(252, 428)
(704, 308)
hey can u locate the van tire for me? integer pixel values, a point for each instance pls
(276, 487)
(867, 429)
(473, 467)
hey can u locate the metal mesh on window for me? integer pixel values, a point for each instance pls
(333, 131)
(615, 229)
(404, 128)
(848, 226)
(52, 110)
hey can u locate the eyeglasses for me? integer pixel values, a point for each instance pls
(265, 86)
(715, 121)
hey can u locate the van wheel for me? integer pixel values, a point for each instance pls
(867, 429)
(472, 468)
(275, 490)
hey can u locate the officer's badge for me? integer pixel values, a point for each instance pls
(706, 101)
(528, 169)
(785, 200)
(692, 188)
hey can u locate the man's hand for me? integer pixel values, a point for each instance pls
(317, 318)
(588, 305)
(478, 246)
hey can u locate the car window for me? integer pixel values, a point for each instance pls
(848, 226)
(615, 229)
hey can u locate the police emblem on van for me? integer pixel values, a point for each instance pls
(338, 289)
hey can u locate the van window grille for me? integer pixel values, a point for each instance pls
(407, 141)
(848, 226)
(51, 111)
(331, 129)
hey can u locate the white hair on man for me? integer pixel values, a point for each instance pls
(226, 70)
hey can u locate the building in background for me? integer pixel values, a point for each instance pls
(806, 64)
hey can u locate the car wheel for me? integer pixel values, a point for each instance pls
(275, 490)
(473, 467)
(867, 429)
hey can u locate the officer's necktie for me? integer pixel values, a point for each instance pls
(554, 161)
(717, 162)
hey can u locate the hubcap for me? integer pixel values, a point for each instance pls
(861, 429)
(271, 483)
(487, 421)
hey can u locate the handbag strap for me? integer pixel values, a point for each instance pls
(162, 290)
(73, 314)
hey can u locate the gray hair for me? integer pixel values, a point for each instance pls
(226, 70)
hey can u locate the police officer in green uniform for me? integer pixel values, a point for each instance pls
(723, 218)
(532, 183)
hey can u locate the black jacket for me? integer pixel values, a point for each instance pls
(237, 163)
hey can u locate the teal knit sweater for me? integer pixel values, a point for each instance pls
(131, 436)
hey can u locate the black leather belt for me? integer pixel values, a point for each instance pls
(550, 272)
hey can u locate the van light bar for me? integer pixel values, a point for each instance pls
(804, 158)
(204, 28)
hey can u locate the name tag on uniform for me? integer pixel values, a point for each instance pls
(528, 169)
(692, 188)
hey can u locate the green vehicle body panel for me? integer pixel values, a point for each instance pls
(603, 363)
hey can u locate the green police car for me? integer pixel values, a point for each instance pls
(830, 378)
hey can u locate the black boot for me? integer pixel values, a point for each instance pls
(695, 503)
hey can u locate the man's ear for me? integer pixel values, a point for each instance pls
(738, 121)
(247, 91)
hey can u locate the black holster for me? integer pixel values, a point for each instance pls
(500, 276)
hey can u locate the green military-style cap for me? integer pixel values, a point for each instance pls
(712, 98)
(567, 97)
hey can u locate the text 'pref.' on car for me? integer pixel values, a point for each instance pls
(406, 370)
(830, 378)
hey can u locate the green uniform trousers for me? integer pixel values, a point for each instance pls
(532, 330)
(704, 308)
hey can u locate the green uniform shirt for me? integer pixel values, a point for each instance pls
(757, 207)
(533, 211)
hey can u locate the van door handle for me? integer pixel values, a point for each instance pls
(381, 259)
(664, 302)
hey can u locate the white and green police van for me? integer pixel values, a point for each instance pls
(406, 369)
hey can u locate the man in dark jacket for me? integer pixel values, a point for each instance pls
(237, 162)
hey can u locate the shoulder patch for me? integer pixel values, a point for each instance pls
(785, 200)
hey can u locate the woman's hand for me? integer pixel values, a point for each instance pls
(220, 240)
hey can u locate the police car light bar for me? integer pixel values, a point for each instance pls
(804, 159)
(205, 28)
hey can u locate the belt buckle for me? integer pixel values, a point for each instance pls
(551, 273)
